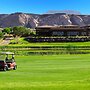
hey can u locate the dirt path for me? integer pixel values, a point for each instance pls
(5, 42)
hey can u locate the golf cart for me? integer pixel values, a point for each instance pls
(9, 62)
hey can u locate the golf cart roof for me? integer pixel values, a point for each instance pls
(7, 53)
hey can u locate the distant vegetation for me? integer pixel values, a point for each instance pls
(22, 31)
(17, 31)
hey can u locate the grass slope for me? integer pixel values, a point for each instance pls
(58, 72)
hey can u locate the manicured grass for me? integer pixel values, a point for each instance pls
(46, 45)
(53, 44)
(57, 72)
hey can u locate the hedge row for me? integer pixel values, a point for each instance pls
(67, 46)
(45, 50)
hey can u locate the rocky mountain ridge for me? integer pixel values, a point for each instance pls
(33, 20)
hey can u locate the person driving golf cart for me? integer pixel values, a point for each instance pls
(10, 60)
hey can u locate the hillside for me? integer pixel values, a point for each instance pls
(33, 20)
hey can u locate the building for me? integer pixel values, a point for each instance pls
(66, 33)
(66, 30)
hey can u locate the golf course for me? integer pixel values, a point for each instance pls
(45, 45)
(48, 72)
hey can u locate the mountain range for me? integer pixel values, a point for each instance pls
(34, 20)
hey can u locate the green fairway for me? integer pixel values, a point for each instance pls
(57, 72)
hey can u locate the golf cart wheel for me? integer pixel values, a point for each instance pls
(15, 67)
(4, 69)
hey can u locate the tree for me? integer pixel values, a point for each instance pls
(1, 35)
(7, 30)
(19, 31)
(22, 31)
(30, 32)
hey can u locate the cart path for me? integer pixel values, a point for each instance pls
(4, 42)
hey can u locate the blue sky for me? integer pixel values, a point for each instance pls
(42, 6)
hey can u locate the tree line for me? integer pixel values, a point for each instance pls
(17, 31)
